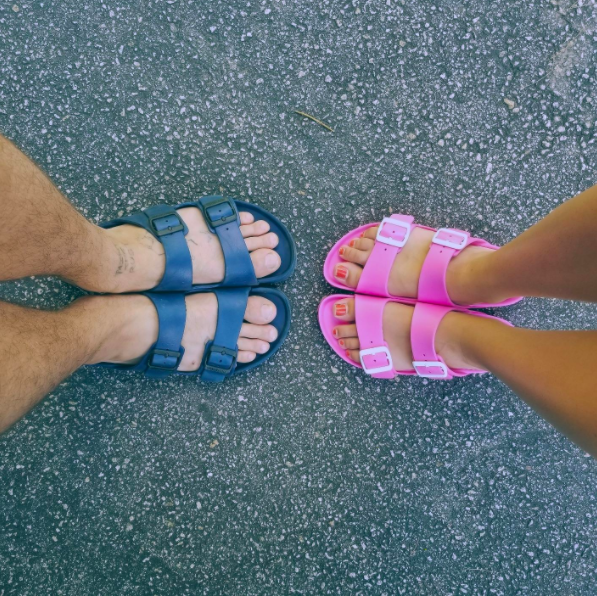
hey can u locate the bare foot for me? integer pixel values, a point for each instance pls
(135, 328)
(138, 258)
(397, 320)
(462, 276)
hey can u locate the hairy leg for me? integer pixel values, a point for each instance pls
(42, 234)
(38, 349)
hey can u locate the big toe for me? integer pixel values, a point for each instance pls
(348, 274)
(344, 309)
(260, 311)
(265, 261)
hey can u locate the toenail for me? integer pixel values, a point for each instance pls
(362, 235)
(335, 332)
(342, 249)
(341, 342)
(340, 310)
(273, 334)
(352, 243)
(348, 353)
(341, 272)
(271, 261)
(267, 310)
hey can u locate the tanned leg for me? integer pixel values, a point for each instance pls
(550, 370)
(42, 234)
(555, 258)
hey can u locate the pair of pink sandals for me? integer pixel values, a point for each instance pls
(432, 304)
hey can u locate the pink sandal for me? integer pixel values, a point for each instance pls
(392, 236)
(376, 359)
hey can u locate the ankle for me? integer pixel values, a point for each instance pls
(450, 340)
(123, 327)
(116, 260)
(134, 260)
(471, 280)
(462, 338)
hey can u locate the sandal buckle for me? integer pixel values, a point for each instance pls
(456, 245)
(397, 242)
(216, 215)
(381, 350)
(165, 224)
(417, 365)
(219, 367)
(166, 359)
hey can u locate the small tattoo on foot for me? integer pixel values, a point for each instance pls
(121, 260)
(126, 260)
(132, 260)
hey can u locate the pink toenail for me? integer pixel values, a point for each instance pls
(352, 243)
(341, 272)
(341, 342)
(340, 309)
(348, 353)
(335, 332)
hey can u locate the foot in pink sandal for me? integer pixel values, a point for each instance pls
(388, 337)
(401, 259)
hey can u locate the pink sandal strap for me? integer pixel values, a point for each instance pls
(446, 244)
(392, 235)
(375, 356)
(376, 359)
(425, 321)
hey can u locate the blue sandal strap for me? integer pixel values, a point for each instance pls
(219, 358)
(164, 222)
(164, 357)
(221, 216)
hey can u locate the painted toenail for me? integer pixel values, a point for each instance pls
(341, 272)
(271, 261)
(342, 250)
(352, 243)
(348, 353)
(341, 342)
(340, 310)
(362, 235)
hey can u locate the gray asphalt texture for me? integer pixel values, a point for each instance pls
(304, 477)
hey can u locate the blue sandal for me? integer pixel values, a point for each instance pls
(220, 356)
(221, 216)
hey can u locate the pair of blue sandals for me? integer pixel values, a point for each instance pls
(221, 215)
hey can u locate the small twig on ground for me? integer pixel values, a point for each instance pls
(314, 120)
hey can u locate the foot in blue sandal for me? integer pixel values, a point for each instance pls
(211, 335)
(209, 243)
